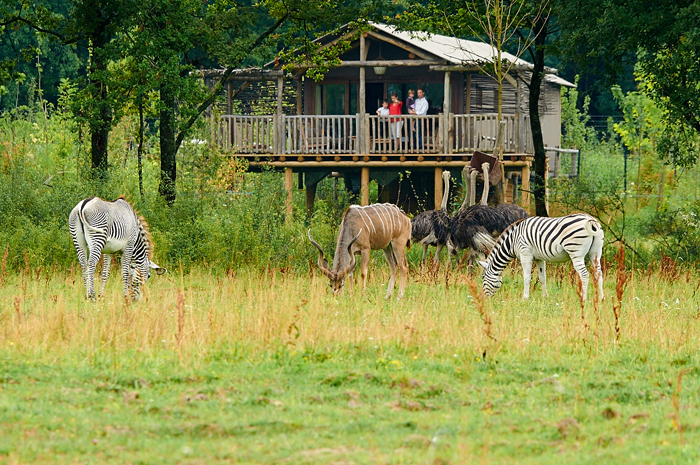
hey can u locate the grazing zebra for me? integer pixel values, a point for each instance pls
(546, 240)
(476, 227)
(99, 227)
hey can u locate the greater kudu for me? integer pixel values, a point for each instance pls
(379, 226)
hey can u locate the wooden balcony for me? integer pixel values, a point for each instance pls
(369, 140)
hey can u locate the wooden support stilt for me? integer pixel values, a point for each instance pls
(525, 183)
(310, 198)
(438, 188)
(364, 187)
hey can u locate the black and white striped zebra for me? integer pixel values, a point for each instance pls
(99, 227)
(546, 240)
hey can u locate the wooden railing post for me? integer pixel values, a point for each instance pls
(450, 133)
(365, 136)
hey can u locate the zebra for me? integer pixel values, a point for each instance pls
(546, 240)
(100, 227)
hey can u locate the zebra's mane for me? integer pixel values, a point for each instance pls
(145, 234)
(143, 225)
(507, 230)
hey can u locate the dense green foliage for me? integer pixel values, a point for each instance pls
(664, 41)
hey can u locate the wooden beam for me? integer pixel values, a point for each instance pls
(438, 188)
(280, 94)
(387, 63)
(289, 189)
(511, 80)
(361, 95)
(475, 67)
(375, 164)
(300, 103)
(229, 98)
(446, 110)
(246, 74)
(468, 92)
(447, 103)
(364, 187)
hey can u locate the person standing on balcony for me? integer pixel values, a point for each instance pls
(383, 111)
(396, 123)
(411, 108)
(422, 106)
(411, 102)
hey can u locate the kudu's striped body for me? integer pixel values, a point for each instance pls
(99, 227)
(542, 240)
(379, 226)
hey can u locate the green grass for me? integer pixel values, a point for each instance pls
(270, 368)
(359, 404)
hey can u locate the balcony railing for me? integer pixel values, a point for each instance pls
(368, 135)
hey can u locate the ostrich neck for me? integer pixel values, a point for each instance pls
(445, 194)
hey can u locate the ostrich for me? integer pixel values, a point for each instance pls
(433, 226)
(475, 227)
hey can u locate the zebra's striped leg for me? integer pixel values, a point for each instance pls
(126, 270)
(81, 246)
(542, 273)
(580, 267)
(526, 262)
(95, 252)
(106, 265)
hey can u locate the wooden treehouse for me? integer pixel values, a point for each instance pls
(331, 127)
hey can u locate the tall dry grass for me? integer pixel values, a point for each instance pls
(200, 313)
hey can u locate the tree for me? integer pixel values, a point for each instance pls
(92, 25)
(527, 20)
(663, 38)
(23, 52)
(169, 40)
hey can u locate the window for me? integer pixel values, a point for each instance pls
(334, 99)
(435, 93)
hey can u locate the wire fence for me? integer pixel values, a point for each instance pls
(635, 176)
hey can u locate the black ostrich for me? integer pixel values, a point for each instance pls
(476, 227)
(511, 213)
(432, 227)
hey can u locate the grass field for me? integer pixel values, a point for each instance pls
(266, 367)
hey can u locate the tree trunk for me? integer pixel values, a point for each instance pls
(535, 125)
(99, 126)
(168, 150)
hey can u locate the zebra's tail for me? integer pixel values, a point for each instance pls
(594, 228)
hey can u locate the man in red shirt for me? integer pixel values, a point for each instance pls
(396, 123)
